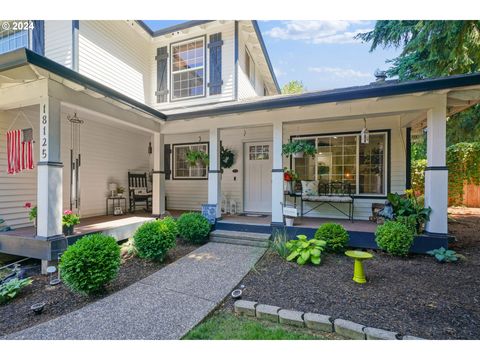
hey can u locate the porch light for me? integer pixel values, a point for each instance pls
(364, 134)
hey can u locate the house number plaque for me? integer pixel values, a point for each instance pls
(44, 132)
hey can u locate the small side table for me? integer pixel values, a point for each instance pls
(116, 201)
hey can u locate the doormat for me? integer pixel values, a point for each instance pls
(253, 215)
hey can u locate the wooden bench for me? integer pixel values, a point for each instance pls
(331, 193)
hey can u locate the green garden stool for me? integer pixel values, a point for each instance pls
(358, 256)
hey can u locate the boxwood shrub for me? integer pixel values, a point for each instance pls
(193, 227)
(334, 235)
(394, 237)
(153, 239)
(89, 264)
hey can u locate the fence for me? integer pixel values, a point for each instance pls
(471, 195)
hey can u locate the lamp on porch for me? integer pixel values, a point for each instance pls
(112, 187)
(364, 134)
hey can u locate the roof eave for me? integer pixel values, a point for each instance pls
(265, 54)
(24, 56)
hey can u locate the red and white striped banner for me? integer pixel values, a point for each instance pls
(19, 152)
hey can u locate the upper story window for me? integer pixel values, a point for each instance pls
(188, 69)
(249, 67)
(13, 39)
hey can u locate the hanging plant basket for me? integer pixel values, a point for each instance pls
(298, 149)
(197, 158)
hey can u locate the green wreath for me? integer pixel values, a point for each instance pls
(226, 158)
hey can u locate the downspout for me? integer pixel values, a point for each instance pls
(75, 35)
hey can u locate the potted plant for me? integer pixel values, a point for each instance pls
(69, 220)
(197, 157)
(289, 177)
(298, 148)
(120, 191)
(32, 214)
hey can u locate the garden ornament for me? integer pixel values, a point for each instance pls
(387, 211)
(358, 256)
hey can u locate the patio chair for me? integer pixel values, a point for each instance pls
(138, 192)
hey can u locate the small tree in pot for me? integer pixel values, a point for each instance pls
(298, 148)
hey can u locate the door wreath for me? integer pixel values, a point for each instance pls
(227, 158)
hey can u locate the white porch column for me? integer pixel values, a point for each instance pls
(49, 171)
(158, 186)
(436, 173)
(277, 174)
(214, 174)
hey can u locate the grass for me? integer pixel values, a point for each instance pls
(226, 326)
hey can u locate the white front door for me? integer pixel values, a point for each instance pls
(258, 177)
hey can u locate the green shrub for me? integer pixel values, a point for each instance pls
(153, 239)
(279, 243)
(89, 264)
(334, 235)
(11, 288)
(193, 227)
(394, 237)
(304, 250)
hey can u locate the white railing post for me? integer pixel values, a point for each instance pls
(436, 172)
(277, 174)
(214, 171)
(158, 181)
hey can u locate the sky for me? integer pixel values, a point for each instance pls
(321, 54)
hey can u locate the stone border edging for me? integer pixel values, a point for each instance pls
(317, 322)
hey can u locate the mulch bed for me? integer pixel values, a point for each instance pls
(16, 315)
(413, 295)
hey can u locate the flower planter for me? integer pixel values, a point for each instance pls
(289, 221)
(298, 155)
(68, 230)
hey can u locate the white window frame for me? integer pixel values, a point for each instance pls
(174, 162)
(357, 159)
(203, 67)
(251, 67)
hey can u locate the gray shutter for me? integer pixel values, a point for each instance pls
(162, 74)
(38, 37)
(166, 161)
(215, 79)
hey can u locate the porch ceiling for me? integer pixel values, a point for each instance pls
(24, 66)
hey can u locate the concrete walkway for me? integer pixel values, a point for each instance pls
(165, 305)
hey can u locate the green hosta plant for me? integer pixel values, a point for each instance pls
(11, 288)
(303, 250)
(443, 255)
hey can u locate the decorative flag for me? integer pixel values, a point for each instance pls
(19, 152)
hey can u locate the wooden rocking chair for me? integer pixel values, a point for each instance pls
(138, 192)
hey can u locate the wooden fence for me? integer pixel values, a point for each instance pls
(471, 195)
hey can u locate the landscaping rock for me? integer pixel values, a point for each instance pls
(411, 337)
(318, 322)
(267, 312)
(349, 329)
(379, 334)
(244, 307)
(291, 317)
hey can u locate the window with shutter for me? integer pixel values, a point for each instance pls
(166, 161)
(162, 78)
(215, 79)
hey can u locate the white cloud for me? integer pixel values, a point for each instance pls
(278, 71)
(318, 32)
(340, 72)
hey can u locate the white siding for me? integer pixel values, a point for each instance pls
(190, 194)
(17, 189)
(245, 87)
(108, 153)
(112, 53)
(228, 68)
(58, 41)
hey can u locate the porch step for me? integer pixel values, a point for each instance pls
(240, 238)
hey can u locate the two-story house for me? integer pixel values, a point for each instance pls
(100, 99)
